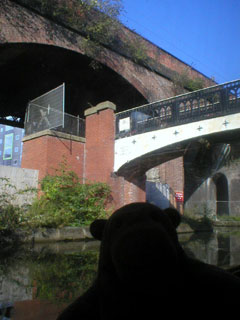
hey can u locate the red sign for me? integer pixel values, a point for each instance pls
(179, 196)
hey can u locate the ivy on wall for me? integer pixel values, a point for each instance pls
(96, 20)
(183, 82)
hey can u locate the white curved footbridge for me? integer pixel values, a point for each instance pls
(201, 113)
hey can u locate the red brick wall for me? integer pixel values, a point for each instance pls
(44, 153)
(125, 192)
(100, 139)
(94, 160)
(100, 135)
(172, 173)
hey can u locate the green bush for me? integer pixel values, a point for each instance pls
(65, 201)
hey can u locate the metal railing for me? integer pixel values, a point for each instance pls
(202, 104)
(39, 118)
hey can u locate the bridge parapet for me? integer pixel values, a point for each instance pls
(199, 105)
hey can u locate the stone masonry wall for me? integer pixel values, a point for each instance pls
(21, 179)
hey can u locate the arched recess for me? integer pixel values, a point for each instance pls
(28, 70)
(222, 194)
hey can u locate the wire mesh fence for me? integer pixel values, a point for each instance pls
(54, 99)
(47, 113)
(39, 118)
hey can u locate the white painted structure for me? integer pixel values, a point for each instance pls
(133, 147)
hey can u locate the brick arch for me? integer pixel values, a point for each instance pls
(28, 27)
(31, 69)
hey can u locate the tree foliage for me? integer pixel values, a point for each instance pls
(65, 201)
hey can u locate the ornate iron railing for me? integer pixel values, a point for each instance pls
(202, 104)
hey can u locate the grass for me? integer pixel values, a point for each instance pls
(229, 218)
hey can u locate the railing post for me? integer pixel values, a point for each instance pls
(175, 113)
(223, 100)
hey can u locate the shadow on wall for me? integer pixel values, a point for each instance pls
(158, 193)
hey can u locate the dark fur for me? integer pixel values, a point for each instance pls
(144, 273)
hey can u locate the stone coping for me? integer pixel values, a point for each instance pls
(99, 107)
(186, 228)
(55, 235)
(55, 134)
(227, 223)
(48, 235)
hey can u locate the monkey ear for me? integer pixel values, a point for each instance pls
(174, 216)
(97, 228)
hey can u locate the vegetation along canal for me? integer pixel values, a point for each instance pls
(38, 282)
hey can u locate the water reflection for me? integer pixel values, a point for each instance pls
(221, 247)
(6, 311)
(37, 283)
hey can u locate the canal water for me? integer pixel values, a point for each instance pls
(38, 282)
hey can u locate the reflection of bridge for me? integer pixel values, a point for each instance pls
(171, 122)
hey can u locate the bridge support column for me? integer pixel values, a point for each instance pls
(100, 138)
(135, 190)
(99, 156)
(125, 192)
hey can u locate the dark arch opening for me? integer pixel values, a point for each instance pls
(30, 70)
(222, 196)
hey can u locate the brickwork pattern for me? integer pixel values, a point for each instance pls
(172, 173)
(153, 85)
(45, 153)
(100, 138)
(100, 134)
(94, 160)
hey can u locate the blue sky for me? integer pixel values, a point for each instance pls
(203, 33)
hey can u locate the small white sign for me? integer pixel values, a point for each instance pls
(124, 124)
